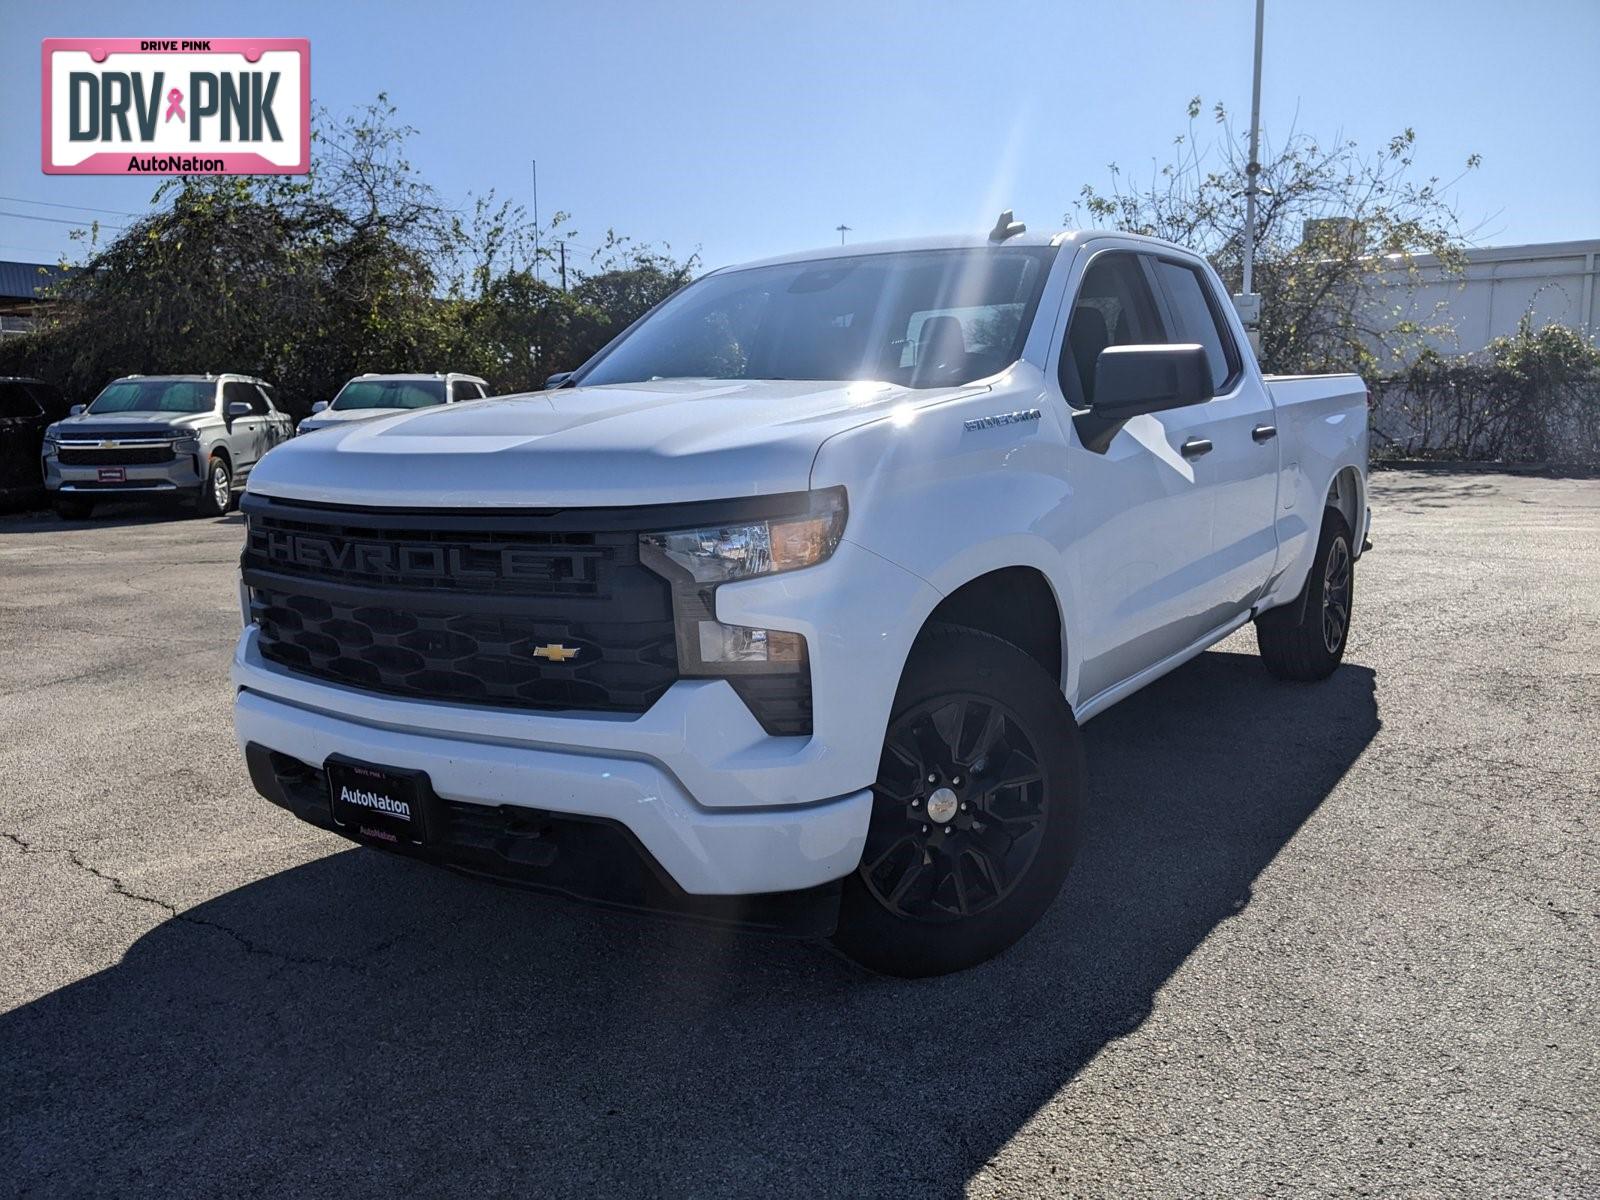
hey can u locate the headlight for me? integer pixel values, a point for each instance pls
(769, 668)
(52, 441)
(186, 442)
(723, 553)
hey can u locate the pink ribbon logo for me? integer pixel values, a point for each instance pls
(175, 105)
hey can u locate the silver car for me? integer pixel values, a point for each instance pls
(189, 436)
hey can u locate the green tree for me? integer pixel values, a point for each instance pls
(359, 266)
(1330, 216)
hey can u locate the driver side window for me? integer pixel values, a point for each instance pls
(1114, 307)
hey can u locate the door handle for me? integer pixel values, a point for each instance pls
(1264, 433)
(1195, 447)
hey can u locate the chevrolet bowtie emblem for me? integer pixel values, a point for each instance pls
(108, 445)
(555, 653)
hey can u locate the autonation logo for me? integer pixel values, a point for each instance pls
(376, 802)
(177, 106)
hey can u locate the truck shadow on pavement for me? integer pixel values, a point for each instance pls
(362, 1024)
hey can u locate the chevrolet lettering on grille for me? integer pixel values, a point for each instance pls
(419, 562)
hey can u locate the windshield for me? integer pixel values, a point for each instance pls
(389, 393)
(919, 318)
(156, 395)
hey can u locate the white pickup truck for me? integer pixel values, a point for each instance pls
(785, 609)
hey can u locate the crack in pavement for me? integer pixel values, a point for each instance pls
(120, 888)
(163, 655)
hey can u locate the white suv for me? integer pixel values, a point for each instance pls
(368, 396)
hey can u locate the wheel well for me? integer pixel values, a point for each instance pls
(222, 453)
(1345, 495)
(1013, 603)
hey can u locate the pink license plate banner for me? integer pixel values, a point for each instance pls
(206, 106)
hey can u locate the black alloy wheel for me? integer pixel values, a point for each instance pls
(1305, 639)
(959, 810)
(1336, 589)
(974, 812)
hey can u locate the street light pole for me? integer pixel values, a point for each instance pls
(841, 230)
(1252, 169)
(1248, 302)
(535, 163)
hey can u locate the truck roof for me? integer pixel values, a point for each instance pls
(417, 375)
(959, 241)
(195, 378)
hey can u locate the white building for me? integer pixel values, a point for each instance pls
(1552, 281)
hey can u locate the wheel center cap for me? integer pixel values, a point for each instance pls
(942, 805)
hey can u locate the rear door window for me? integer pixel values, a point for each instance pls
(1194, 312)
(465, 389)
(1114, 307)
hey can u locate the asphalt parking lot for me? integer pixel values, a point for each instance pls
(1323, 939)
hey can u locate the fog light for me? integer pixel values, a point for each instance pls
(721, 643)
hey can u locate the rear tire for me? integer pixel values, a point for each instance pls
(959, 867)
(1306, 641)
(71, 508)
(216, 493)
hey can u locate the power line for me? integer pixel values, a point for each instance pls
(58, 220)
(116, 212)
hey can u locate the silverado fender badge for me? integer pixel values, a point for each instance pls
(555, 653)
(1010, 418)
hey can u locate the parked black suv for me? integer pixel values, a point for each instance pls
(26, 407)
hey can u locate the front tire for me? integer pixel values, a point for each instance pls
(1306, 641)
(216, 493)
(974, 818)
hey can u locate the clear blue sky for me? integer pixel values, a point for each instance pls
(745, 129)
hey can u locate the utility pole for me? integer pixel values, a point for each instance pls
(535, 163)
(842, 230)
(1248, 303)
(563, 246)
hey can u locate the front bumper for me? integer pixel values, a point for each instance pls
(597, 860)
(702, 852)
(183, 473)
(724, 808)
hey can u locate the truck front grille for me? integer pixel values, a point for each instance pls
(516, 611)
(119, 456)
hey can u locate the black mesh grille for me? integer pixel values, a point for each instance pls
(94, 456)
(446, 610)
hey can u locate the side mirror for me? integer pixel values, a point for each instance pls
(77, 410)
(1131, 380)
(238, 408)
(319, 406)
(559, 379)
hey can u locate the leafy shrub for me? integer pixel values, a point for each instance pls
(1531, 397)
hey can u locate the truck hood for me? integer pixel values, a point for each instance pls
(129, 424)
(330, 416)
(646, 443)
